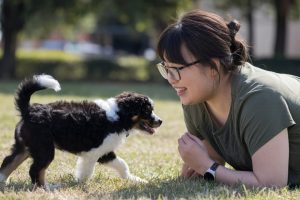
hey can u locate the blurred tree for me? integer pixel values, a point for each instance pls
(283, 9)
(40, 16)
(10, 25)
(247, 8)
(16, 13)
(142, 16)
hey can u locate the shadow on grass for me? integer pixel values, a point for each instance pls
(65, 182)
(176, 189)
(17, 186)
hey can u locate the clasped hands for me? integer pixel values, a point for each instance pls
(194, 155)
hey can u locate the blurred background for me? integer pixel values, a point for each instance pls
(115, 40)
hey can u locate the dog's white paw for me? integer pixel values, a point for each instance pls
(55, 186)
(81, 179)
(136, 179)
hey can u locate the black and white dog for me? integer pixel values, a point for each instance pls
(91, 130)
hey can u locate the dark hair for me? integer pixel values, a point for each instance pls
(206, 35)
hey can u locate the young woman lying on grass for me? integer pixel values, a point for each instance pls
(234, 112)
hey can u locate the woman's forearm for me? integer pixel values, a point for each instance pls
(248, 178)
(232, 177)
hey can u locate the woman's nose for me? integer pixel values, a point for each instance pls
(171, 79)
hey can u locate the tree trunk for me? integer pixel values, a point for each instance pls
(251, 27)
(281, 8)
(8, 61)
(12, 21)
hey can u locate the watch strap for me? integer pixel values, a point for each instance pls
(214, 166)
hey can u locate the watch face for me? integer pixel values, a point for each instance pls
(208, 176)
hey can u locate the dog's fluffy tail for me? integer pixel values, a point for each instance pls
(29, 86)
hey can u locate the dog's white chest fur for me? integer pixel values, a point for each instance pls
(86, 161)
(110, 143)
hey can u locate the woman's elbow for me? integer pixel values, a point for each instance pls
(278, 182)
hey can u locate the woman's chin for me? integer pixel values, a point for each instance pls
(185, 101)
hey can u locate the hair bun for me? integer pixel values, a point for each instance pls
(234, 27)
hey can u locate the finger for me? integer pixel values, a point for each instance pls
(186, 138)
(181, 141)
(180, 147)
(194, 174)
(183, 174)
(193, 137)
(184, 171)
(190, 172)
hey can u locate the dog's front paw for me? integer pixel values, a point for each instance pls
(3, 181)
(136, 179)
(2, 186)
(81, 179)
(44, 187)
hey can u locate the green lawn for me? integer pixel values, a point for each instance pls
(153, 158)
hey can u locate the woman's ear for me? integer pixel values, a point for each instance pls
(215, 71)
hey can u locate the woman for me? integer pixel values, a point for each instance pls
(234, 112)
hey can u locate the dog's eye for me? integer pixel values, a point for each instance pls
(147, 112)
(149, 107)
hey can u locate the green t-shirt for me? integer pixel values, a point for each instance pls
(263, 104)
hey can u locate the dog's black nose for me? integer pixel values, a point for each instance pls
(159, 122)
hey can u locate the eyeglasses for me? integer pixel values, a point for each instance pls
(173, 72)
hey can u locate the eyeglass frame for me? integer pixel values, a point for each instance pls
(178, 69)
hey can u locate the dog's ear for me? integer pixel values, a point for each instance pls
(132, 103)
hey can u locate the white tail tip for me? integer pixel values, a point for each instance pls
(47, 81)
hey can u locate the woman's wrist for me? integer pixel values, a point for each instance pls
(205, 166)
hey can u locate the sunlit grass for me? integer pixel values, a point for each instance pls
(154, 158)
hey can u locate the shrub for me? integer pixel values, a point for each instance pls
(70, 67)
(280, 65)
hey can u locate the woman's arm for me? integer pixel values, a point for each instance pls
(270, 162)
(270, 165)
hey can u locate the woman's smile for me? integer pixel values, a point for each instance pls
(180, 90)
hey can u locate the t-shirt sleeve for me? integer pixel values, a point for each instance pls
(264, 115)
(190, 122)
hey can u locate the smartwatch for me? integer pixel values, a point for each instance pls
(210, 174)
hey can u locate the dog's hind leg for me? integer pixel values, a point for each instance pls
(11, 162)
(18, 155)
(117, 163)
(42, 155)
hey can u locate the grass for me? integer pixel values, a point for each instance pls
(154, 158)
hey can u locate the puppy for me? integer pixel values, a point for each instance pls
(90, 130)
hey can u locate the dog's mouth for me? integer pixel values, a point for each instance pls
(145, 126)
